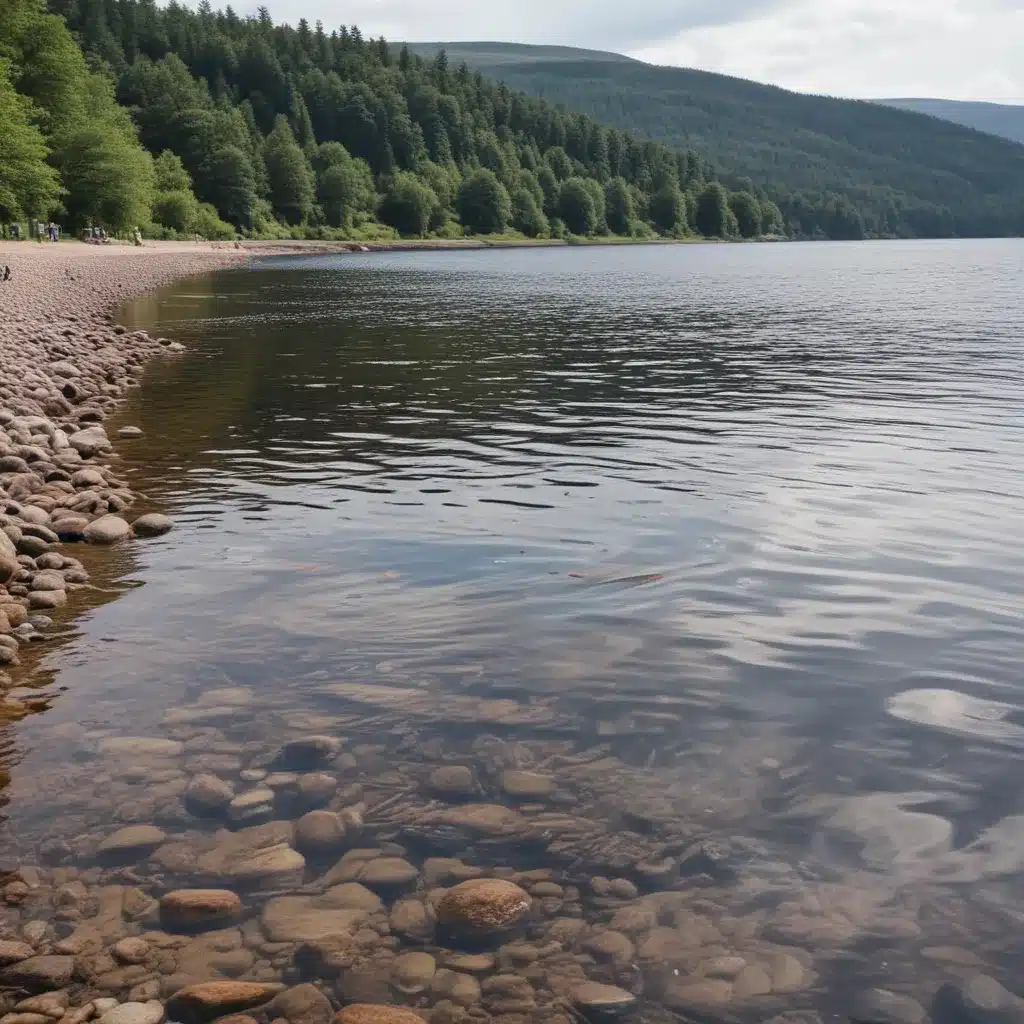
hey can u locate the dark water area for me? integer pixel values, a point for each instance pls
(720, 541)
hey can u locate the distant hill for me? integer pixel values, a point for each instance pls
(899, 168)
(1005, 119)
(500, 54)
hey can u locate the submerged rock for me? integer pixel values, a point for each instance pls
(39, 973)
(482, 906)
(192, 909)
(377, 1013)
(196, 1004)
(135, 840)
(603, 1002)
(208, 795)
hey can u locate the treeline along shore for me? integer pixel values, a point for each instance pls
(124, 114)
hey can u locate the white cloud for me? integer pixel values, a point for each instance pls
(956, 49)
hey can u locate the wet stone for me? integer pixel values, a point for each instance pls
(134, 1013)
(107, 529)
(880, 1006)
(521, 785)
(319, 834)
(196, 1004)
(412, 973)
(208, 795)
(255, 805)
(603, 1002)
(133, 841)
(454, 780)
(482, 906)
(979, 999)
(411, 919)
(39, 973)
(12, 952)
(193, 909)
(377, 1013)
(152, 525)
(309, 753)
(303, 1004)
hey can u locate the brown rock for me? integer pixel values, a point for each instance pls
(13, 952)
(319, 834)
(135, 840)
(482, 905)
(152, 525)
(527, 785)
(192, 909)
(107, 530)
(303, 1004)
(452, 780)
(208, 1000)
(39, 973)
(16, 614)
(377, 1013)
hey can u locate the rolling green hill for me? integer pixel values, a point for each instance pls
(906, 173)
(1005, 119)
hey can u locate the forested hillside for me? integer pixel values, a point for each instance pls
(905, 174)
(272, 130)
(1005, 119)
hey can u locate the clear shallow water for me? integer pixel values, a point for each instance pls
(738, 522)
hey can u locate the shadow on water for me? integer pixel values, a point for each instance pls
(716, 541)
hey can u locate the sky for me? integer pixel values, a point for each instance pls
(954, 49)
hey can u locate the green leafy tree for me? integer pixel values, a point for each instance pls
(711, 216)
(483, 203)
(576, 207)
(747, 211)
(28, 185)
(344, 185)
(291, 179)
(109, 177)
(527, 215)
(550, 188)
(175, 210)
(618, 203)
(407, 204)
(559, 163)
(170, 172)
(667, 209)
(597, 194)
(227, 182)
(771, 219)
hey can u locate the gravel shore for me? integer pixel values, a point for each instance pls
(65, 364)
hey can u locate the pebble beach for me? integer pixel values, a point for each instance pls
(65, 365)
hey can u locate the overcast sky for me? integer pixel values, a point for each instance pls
(957, 49)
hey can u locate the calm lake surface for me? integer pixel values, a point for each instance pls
(725, 541)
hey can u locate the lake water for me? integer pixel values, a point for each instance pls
(721, 541)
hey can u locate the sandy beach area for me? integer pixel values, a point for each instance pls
(64, 365)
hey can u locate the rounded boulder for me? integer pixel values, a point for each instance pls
(482, 906)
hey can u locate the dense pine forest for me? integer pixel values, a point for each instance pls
(122, 113)
(906, 174)
(199, 121)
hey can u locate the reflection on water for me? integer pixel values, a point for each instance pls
(716, 544)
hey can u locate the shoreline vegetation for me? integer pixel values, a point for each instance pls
(127, 115)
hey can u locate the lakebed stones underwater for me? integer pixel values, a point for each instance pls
(607, 897)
